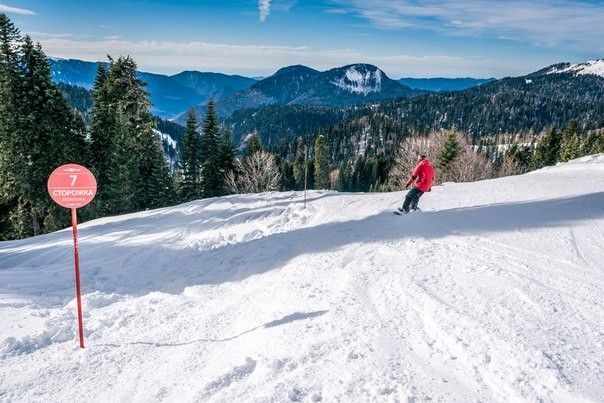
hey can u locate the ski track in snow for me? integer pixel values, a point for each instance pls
(492, 293)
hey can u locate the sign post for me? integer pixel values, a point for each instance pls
(73, 186)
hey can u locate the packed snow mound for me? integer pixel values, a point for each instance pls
(589, 67)
(360, 80)
(492, 293)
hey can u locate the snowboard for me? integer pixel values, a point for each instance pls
(398, 212)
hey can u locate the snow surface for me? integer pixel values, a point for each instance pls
(166, 137)
(360, 83)
(493, 293)
(589, 67)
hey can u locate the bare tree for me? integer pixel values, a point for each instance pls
(469, 165)
(257, 173)
(406, 156)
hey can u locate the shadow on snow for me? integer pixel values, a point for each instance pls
(140, 269)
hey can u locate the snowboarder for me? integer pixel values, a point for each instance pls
(423, 174)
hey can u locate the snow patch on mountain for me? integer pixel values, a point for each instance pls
(595, 67)
(170, 149)
(166, 137)
(360, 82)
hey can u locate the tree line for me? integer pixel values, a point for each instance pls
(115, 135)
(380, 157)
(38, 132)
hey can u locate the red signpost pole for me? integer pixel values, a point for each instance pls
(73, 186)
(74, 224)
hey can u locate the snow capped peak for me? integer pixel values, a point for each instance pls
(360, 79)
(589, 67)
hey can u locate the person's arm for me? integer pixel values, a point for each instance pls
(410, 180)
(413, 176)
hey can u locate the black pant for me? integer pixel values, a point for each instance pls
(412, 199)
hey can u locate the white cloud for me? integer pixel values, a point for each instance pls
(570, 22)
(172, 57)
(264, 7)
(48, 35)
(15, 10)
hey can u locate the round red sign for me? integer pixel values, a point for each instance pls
(72, 186)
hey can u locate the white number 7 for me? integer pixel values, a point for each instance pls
(73, 179)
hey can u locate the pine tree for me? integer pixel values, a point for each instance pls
(253, 145)
(360, 182)
(548, 149)
(310, 174)
(570, 147)
(47, 134)
(300, 165)
(191, 160)
(594, 143)
(129, 100)
(102, 131)
(344, 178)
(227, 157)
(321, 167)
(212, 181)
(10, 79)
(123, 179)
(288, 182)
(449, 153)
(161, 185)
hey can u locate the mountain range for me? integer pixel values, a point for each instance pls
(438, 84)
(170, 95)
(173, 95)
(301, 85)
(514, 105)
(359, 104)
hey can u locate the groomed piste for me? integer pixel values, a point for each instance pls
(494, 292)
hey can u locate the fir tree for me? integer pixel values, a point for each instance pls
(161, 185)
(191, 160)
(321, 167)
(212, 181)
(310, 174)
(10, 78)
(102, 130)
(343, 184)
(288, 182)
(47, 134)
(300, 165)
(253, 144)
(123, 180)
(129, 100)
(594, 143)
(548, 149)
(360, 181)
(570, 148)
(449, 152)
(227, 157)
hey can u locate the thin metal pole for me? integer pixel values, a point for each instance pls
(305, 173)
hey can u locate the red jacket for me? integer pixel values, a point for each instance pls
(424, 173)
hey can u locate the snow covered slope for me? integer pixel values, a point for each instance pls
(493, 293)
(589, 67)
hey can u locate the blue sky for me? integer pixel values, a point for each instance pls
(417, 38)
